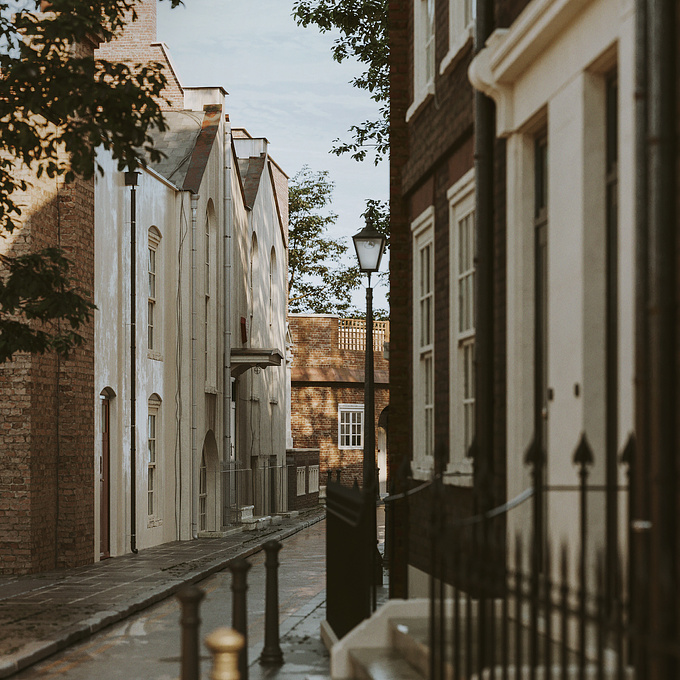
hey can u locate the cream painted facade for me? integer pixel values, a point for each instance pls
(547, 74)
(210, 376)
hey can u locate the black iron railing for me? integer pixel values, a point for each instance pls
(348, 562)
(526, 606)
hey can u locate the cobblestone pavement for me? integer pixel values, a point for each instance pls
(45, 613)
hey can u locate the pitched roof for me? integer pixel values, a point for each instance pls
(251, 170)
(186, 142)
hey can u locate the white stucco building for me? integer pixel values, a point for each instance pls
(192, 407)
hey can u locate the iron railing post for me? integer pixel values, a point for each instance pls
(239, 620)
(271, 653)
(190, 598)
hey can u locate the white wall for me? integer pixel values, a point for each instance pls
(548, 71)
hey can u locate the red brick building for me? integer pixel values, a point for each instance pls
(327, 392)
(46, 405)
(447, 377)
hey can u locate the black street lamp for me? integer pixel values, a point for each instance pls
(370, 245)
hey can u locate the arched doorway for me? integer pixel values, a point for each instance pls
(208, 485)
(382, 452)
(106, 396)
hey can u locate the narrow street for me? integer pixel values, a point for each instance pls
(147, 645)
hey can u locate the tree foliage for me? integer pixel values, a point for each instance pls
(57, 105)
(362, 27)
(318, 280)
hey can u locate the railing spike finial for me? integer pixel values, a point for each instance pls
(473, 450)
(628, 452)
(533, 454)
(440, 458)
(584, 453)
(405, 472)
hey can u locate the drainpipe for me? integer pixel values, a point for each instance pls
(228, 242)
(194, 369)
(484, 354)
(639, 465)
(131, 179)
(484, 199)
(661, 144)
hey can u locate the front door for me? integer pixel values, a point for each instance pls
(104, 484)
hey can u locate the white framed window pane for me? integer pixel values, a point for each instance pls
(351, 428)
(468, 361)
(150, 326)
(301, 481)
(150, 495)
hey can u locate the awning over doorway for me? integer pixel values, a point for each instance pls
(244, 358)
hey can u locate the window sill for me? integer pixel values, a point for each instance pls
(457, 49)
(351, 448)
(420, 100)
(209, 389)
(154, 355)
(423, 470)
(460, 473)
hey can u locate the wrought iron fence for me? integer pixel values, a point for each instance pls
(528, 607)
(241, 487)
(236, 482)
(349, 564)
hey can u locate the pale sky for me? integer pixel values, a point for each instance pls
(283, 85)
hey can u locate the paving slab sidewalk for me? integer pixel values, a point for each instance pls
(44, 613)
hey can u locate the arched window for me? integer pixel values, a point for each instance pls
(154, 457)
(210, 303)
(253, 261)
(153, 324)
(202, 494)
(272, 284)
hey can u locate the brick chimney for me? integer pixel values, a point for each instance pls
(137, 44)
(132, 44)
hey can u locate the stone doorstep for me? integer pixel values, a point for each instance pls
(245, 512)
(220, 534)
(256, 523)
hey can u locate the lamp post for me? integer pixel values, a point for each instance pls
(370, 245)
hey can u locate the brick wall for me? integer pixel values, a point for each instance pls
(46, 405)
(301, 458)
(428, 155)
(135, 45)
(400, 430)
(314, 401)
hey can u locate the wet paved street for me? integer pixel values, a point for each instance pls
(147, 644)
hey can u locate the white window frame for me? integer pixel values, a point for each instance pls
(154, 453)
(153, 317)
(424, 60)
(203, 494)
(301, 479)
(422, 230)
(313, 478)
(462, 15)
(351, 410)
(461, 199)
(209, 313)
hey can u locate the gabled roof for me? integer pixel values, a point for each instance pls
(186, 143)
(251, 172)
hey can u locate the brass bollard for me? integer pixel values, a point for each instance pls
(224, 645)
